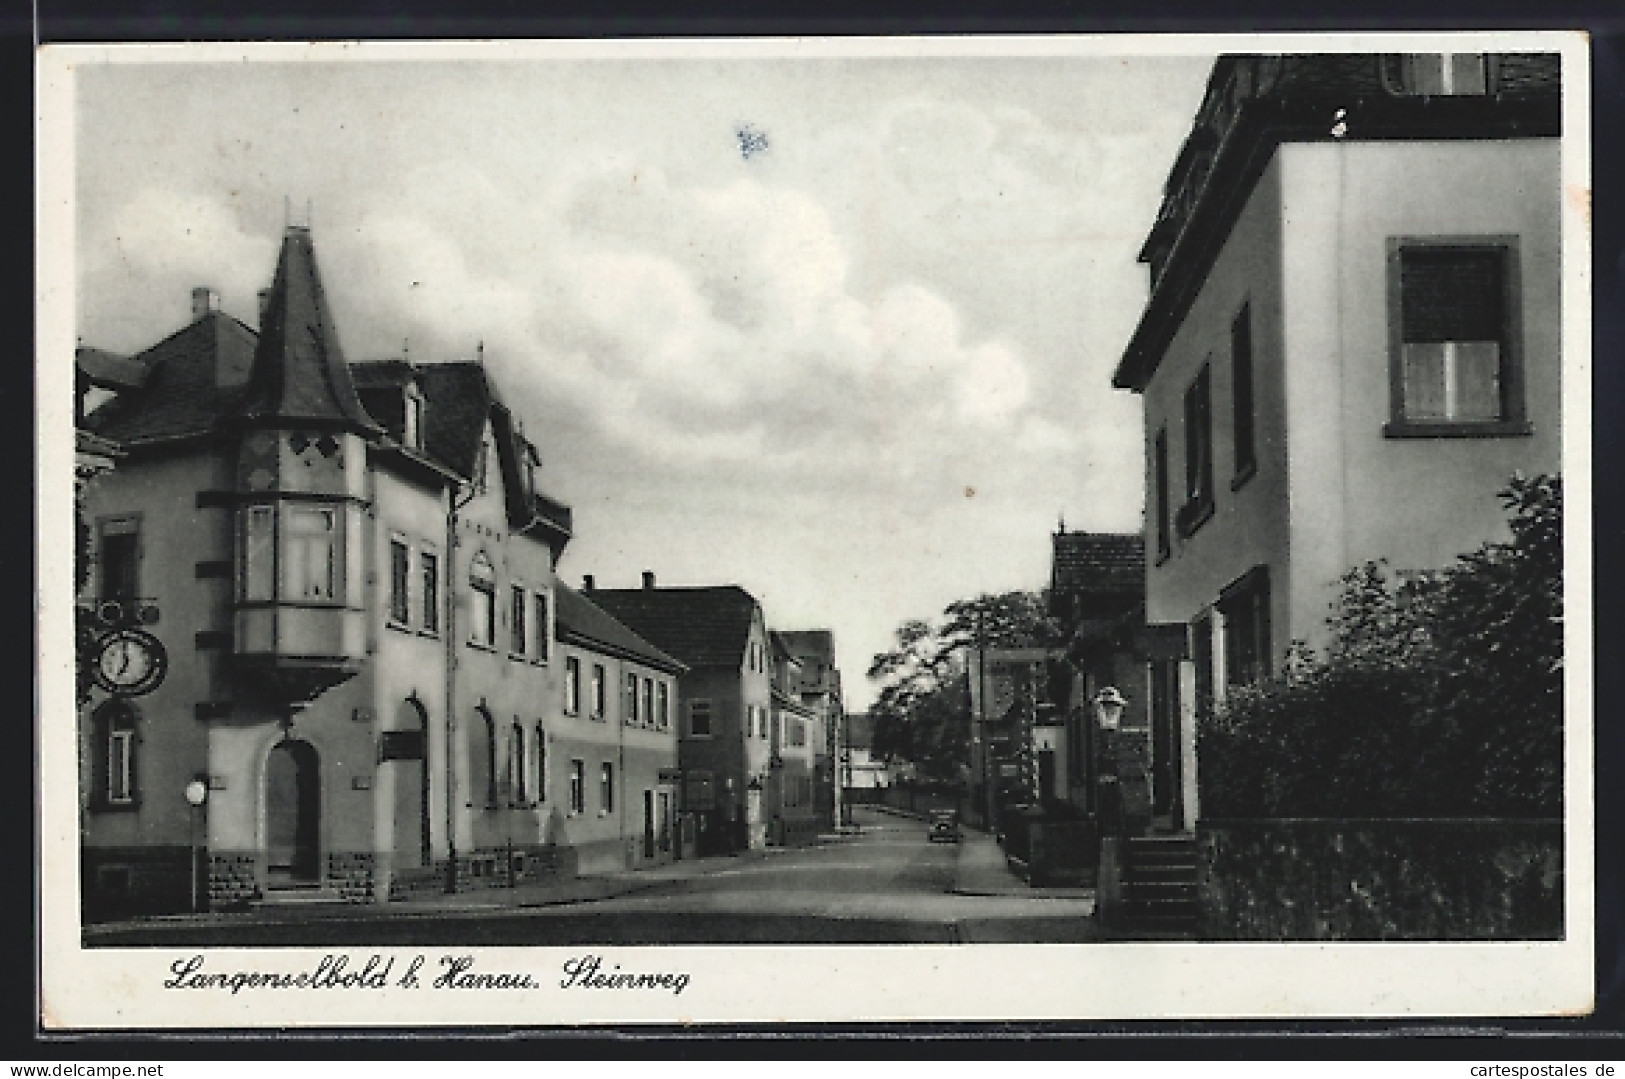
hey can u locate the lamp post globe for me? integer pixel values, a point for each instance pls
(1109, 704)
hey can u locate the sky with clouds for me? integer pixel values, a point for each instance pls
(860, 370)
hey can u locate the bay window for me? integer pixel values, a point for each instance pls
(310, 550)
(292, 552)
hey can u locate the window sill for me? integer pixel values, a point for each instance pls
(104, 805)
(399, 627)
(479, 646)
(1192, 516)
(431, 634)
(1446, 429)
(517, 657)
(1243, 474)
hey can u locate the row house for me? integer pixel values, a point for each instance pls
(617, 741)
(344, 577)
(794, 734)
(1352, 340)
(817, 682)
(725, 702)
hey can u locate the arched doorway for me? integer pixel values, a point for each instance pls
(407, 751)
(292, 815)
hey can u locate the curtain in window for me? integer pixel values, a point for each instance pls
(1424, 381)
(1478, 380)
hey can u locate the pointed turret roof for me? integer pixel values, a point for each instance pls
(299, 371)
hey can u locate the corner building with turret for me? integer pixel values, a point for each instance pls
(349, 569)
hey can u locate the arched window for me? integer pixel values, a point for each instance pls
(540, 783)
(483, 759)
(516, 764)
(482, 608)
(114, 785)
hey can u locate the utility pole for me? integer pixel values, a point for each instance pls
(981, 720)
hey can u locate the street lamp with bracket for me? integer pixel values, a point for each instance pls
(197, 796)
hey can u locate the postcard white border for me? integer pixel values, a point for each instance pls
(121, 988)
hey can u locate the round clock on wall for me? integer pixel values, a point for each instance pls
(129, 662)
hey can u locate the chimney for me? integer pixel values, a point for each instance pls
(205, 301)
(648, 581)
(586, 582)
(265, 302)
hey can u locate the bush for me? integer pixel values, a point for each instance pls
(1440, 693)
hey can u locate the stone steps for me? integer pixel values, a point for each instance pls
(1159, 886)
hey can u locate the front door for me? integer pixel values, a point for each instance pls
(1046, 775)
(292, 815)
(1165, 747)
(648, 824)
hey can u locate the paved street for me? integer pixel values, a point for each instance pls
(887, 884)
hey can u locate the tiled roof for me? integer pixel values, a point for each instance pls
(110, 369)
(300, 374)
(815, 644)
(182, 394)
(703, 627)
(370, 374)
(457, 402)
(582, 622)
(1098, 562)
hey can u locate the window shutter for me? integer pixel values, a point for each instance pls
(1451, 295)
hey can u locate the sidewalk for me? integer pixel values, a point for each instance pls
(982, 870)
(585, 889)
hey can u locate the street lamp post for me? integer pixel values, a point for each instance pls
(197, 794)
(1109, 704)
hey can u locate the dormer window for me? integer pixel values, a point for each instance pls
(481, 462)
(412, 420)
(531, 459)
(1450, 74)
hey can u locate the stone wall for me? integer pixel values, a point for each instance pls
(350, 874)
(1380, 879)
(233, 879)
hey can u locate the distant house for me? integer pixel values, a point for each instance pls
(725, 700)
(862, 769)
(795, 736)
(1352, 341)
(616, 739)
(817, 683)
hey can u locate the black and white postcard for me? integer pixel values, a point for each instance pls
(814, 530)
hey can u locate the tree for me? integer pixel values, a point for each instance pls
(922, 713)
(1440, 693)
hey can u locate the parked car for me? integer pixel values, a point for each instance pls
(944, 826)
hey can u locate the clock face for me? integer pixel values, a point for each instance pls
(129, 662)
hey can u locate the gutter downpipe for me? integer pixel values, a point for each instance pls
(450, 602)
